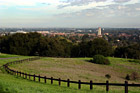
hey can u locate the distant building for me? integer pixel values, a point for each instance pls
(124, 35)
(106, 34)
(20, 31)
(12, 33)
(44, 33)
(118, 40)
(92, 34)
(2, 34)
(99, 32)
(80, 35)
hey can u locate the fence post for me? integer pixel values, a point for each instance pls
(17, 73)
(26, 75)
(34, 77)
(39, 78)
(23, 74)
(79, 84)
(68, 84)
(91, 87)
(59, 81)
(107, 86)
(29, 77)
(20, 74)
(126, 86)
(45, 79)
(7, 71)
(51, 80)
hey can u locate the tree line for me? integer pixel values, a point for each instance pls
(34, 44)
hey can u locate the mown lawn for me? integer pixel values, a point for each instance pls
(72, 68)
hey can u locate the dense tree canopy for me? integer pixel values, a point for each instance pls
(90, 48)
(22, 44)
(36, 44)
(132, 51)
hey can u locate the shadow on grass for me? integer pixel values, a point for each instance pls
(4, 90)
(89, 61)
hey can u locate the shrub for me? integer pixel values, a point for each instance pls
(134, 76)
(99, 59)
(127, 77)
(106, 61)
(108, 76)
(134, 60)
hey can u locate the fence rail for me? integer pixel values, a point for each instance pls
(28, 76)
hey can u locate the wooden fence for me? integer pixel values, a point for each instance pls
(68, 81)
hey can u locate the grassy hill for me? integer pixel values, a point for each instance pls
(64, 68)
(80, 69)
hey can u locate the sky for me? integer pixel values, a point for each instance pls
(70, 13)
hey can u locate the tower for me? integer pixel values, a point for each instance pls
(99, 32)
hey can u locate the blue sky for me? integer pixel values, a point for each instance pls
(70, 13)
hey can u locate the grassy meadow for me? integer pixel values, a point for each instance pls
(64, 68)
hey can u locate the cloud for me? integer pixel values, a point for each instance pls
(106, 11)
(138, 9)
(70, 12)
(16, 2)
(28, 2)
(68, 3)
(121, 1)
(114, 15)
(120, 7)
(78, 2)
(82, 2)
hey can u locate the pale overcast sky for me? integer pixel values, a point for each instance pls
(70, 13)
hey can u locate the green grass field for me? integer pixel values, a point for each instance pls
(7, 56)
(64, 68)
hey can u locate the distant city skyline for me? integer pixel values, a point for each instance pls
(70, 13)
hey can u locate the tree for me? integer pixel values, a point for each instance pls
(85, 37)
(100, 46)
(132, 51)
